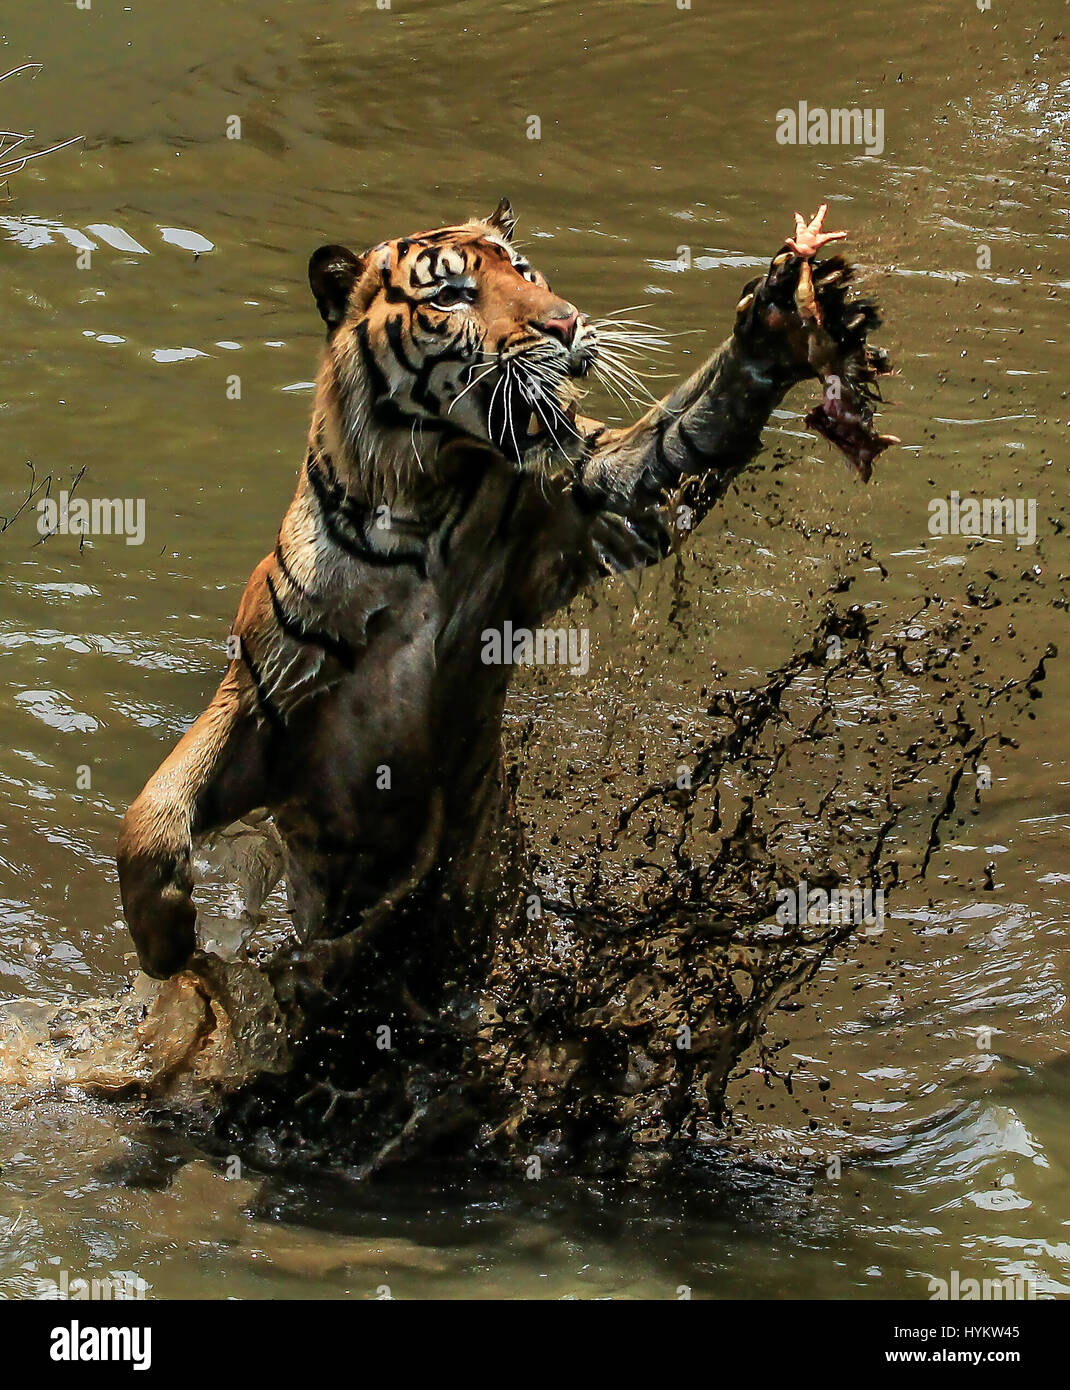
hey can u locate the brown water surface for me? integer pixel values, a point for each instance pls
(931, 1061)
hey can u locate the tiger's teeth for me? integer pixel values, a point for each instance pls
(534, 424)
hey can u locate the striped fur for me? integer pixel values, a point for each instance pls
(448, 487)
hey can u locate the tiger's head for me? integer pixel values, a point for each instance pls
(450, 333)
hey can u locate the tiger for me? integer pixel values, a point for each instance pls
(450, 486)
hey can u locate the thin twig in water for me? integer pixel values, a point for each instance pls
(11, 139)
(35, 487)
(70, 492)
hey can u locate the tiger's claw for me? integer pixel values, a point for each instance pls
(800, 319)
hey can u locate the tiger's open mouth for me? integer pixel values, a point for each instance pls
(546, 421)
(531, 414)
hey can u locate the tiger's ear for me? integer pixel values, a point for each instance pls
(503, 219)
(332, 273)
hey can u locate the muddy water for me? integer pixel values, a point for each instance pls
(925, 1128)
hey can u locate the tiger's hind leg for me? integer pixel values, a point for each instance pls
(215, 775)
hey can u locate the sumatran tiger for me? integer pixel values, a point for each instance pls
(450, 488)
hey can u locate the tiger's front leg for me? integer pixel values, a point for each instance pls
(213, 777)
(620, 508)
(796, 322)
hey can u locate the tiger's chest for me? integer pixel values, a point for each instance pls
(393, 666)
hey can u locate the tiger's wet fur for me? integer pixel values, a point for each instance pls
(448, 488)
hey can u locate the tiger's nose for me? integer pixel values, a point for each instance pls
(562, 323)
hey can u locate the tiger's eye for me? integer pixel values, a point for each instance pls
(449, 296)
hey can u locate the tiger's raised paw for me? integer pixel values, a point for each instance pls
(801, 319)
